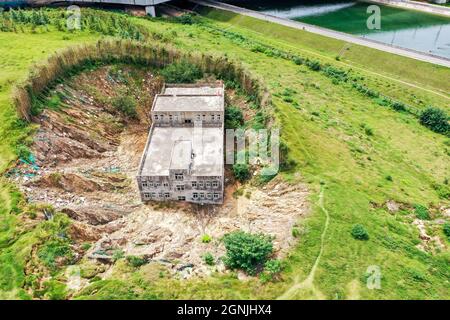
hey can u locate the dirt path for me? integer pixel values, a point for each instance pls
(308, 283)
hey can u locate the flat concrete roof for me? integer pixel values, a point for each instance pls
(188, 102)
(181, 154)
(172, 148)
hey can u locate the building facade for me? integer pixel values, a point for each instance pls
(183, 159)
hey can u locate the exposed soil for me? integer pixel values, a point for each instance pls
(86, 158)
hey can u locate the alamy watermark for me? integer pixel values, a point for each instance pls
(73, 21)
(374, 20)
(373, 277)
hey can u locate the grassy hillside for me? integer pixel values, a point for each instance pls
(355, 153)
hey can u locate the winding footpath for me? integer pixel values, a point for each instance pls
(328, 33)
(308, 283)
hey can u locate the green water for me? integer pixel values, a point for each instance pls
(404, 28)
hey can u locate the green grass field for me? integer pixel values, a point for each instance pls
(327, 134)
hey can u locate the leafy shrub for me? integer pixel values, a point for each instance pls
(421, 212)
(233, 117)
(125, 104)
(52, 250)
(54, 290)
(86, 246)
(136, 262)
(398, 106)
(272, 269)
(246, 251)
(435, 119)
(118, 254)
(313, 65)
(22, 151)
(446, 229)
(368, 131)
(186, 18)
(286, 162)
(359, 232)
(206, 238)
(208, 258)
(241, 171)
(259, 120)
(181, 72)
(295, 232)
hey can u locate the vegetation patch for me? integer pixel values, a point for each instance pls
(247, 251)
(359, 232)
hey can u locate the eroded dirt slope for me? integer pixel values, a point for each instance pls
(85, 158)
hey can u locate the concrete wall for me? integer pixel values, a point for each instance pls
(164, 188)
(177, 119)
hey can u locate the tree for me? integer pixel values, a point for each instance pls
(446, 230)
(126, 105)
(359, 232)
(241, 171)
(435, 119)
(247, 251)
(181, 72)
(272, 269)
(233, 117)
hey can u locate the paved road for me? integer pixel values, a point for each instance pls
(414, 5)
(328, 33)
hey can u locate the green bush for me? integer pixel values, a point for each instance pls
(359, 232)
(186, 18)
(446, 229)
(233, 117)
(435, 119)
(52, 250)
(241, 171)
(54, 290)
(208, 258)
(125, 104)
(421, 212)
(272, 269)
(398, 106)
(181, 72)
(136, 262)
(368, 131)
(295, 232)
(118, 254)
(247, 251)
(206, 238)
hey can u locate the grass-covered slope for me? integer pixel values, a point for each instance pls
(352, 148)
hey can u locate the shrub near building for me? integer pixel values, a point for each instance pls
(247, 251)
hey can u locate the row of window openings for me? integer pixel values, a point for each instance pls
(207, 184)
(146, 184)
(153, 195)
(195, 195)
(214, 117)
(201, 195)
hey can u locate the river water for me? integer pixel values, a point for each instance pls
(404, 28)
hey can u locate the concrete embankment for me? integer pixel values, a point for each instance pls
(415, 5)
(328, 33)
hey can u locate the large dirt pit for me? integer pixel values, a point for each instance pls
(86, 156)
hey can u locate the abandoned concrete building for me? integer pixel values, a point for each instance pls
(183, 158)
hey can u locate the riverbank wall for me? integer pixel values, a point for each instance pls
(415, 5)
